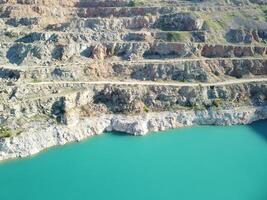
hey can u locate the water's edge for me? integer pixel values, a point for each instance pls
(40, 136)
(199, 162)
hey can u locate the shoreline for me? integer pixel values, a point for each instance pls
(41, 136)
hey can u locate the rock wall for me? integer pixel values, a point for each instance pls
(44, 135)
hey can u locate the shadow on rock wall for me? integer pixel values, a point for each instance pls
(260, 128)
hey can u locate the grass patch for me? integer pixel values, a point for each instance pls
(5, 132)
(35, 80)
(220, 21)
(137, 3)
(175, 36)
(264, 10)
(146, 109)
(217, 102)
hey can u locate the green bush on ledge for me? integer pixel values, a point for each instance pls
(136, 3)
(217, 102)
(5, 132)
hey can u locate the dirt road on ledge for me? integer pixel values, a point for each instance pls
(153, 83)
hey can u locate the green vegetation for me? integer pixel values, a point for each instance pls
(220, 22)
(136, 3)
(264, 10)
(215, 24)
(146, 109)
(177, 36)
(112, 51)
(200, 107)
(35, 80)
(12, 34)
(5, 132)
(217, 102)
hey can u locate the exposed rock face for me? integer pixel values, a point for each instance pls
(45, 135)
(213, 51)
(99, 52)
(179, 22)
(263, 2)
(246, 36)
(72, 69)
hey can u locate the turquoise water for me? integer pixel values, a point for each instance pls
(201, 163)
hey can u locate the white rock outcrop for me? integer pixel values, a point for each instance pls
(41, 136)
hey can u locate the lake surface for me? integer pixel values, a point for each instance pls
(200, 163)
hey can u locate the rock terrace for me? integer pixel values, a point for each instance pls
(63, 61)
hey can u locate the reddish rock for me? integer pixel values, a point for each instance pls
(248, 51)
(99, 52)
(217, 51)
(243, 51)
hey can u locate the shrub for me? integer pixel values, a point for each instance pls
(5, 132)
(217, 102)
(173, 37)
(135, 3)
(146, 109)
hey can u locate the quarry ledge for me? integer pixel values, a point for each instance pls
(42, 135)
